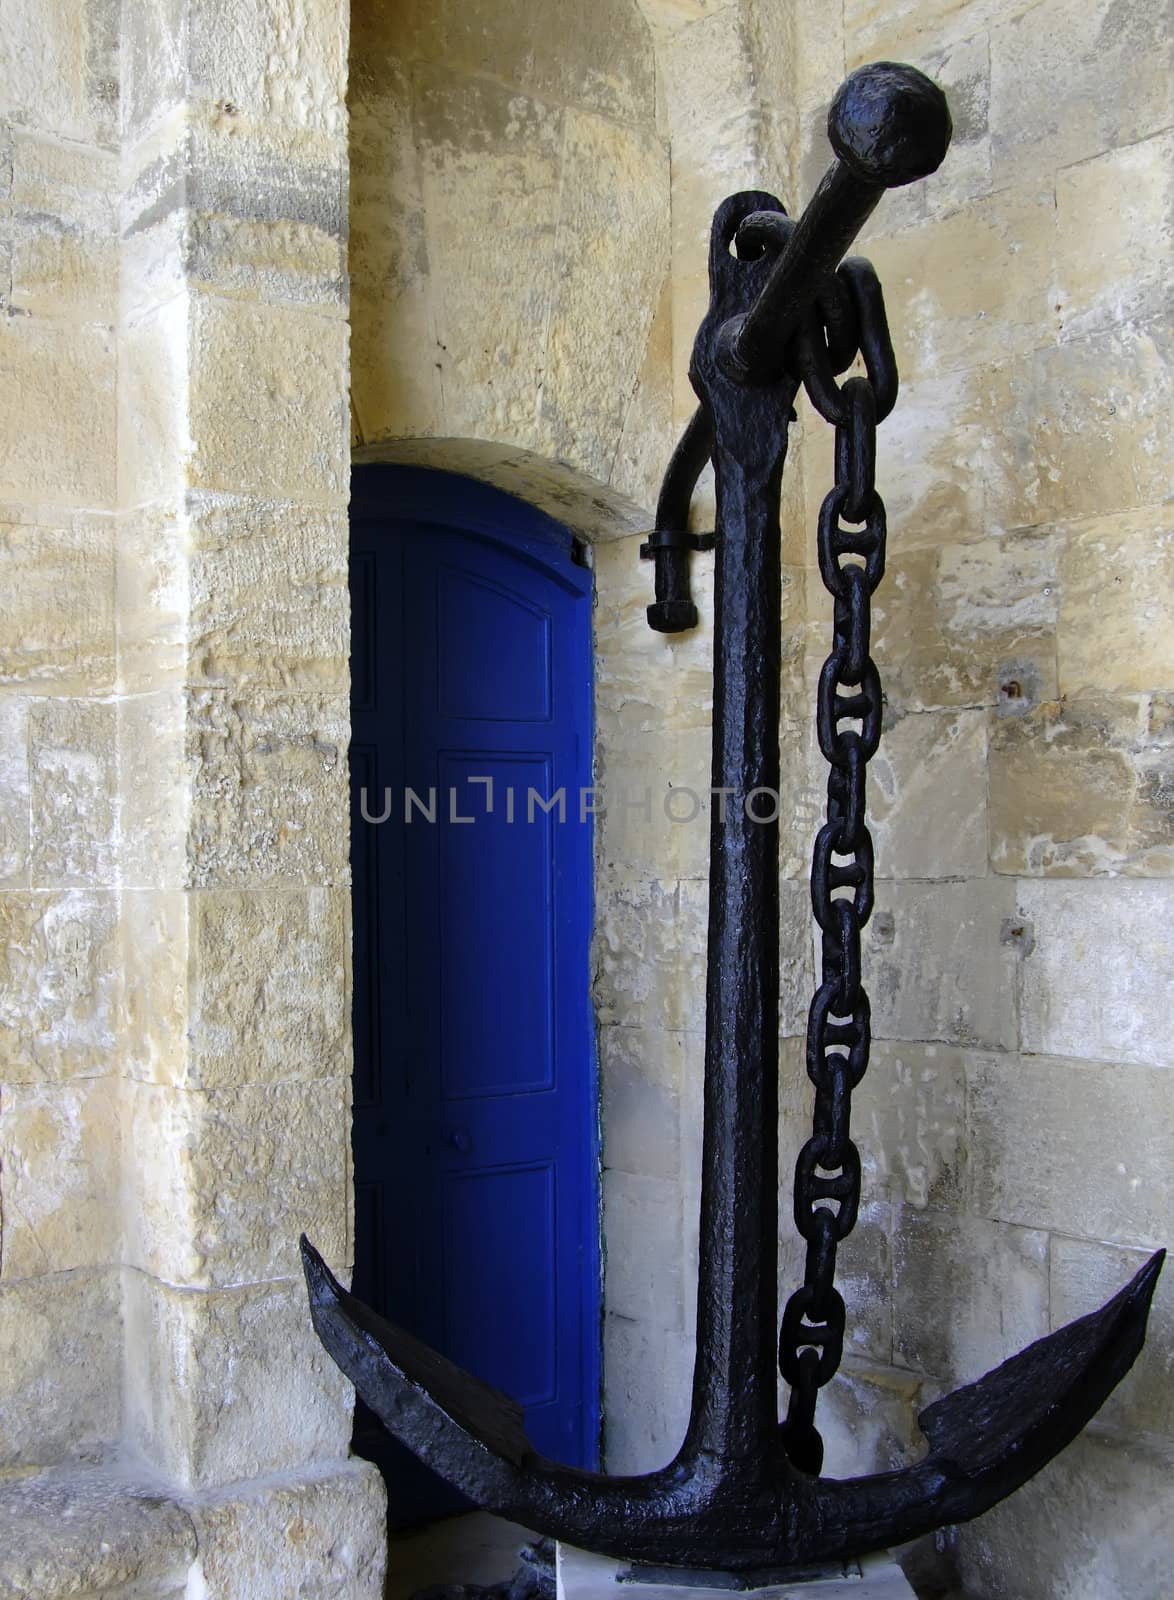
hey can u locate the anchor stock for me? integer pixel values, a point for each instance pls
(743, 1492)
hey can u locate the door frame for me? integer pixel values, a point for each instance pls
(387, 492)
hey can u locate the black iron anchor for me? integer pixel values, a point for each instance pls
(742, 1494)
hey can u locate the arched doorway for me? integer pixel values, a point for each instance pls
(476, 1187)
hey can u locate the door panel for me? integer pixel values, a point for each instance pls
(475, 1100)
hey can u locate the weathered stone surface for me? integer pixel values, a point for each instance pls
(1096, 1522)
(320, 1531)
(268, 595)
(648, 1379)
(152, 63)
(155, 935)
(59, 1176)
(650, 952)
(155, 801)
(909, 1120)
(952, 297)
(1081, 427)
(14, 792)
(866, 1416)
(229, 1385)
(1072, 1147)
(57, 605)
(269, 987)
(939, 966)
(265, 409)
(57, 412)
(72, 792)
(612, 251)
(1084, 1276)
(640, 1077)
(269, 789)
(642, 1227)
(1116, 573)
(864, 1276)
(59, 68)
(1112, 273)
(652, 799)
(646, 441)
(224, 1182)
(151, 578)
(283, 60)
(93, 1534)
(970, 624)
(154, 443)
(970, 1293)
(64, 235)
(1080, 788)
(927, 796)
(1108, 59)
(60, 1353)
(58, 985)
(903, 30)
(1096, 983)
(929, 467)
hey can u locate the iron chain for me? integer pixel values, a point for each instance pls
(850, 317)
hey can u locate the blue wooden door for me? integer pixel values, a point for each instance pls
(475, 1097)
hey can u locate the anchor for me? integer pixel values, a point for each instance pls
(743, 1493)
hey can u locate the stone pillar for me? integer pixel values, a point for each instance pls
(233, 724)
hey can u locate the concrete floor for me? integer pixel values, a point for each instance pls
(473, 1549)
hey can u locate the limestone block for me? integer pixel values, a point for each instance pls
(970, 287)
(963, 68)
(14, 792)
(73, 784)
(642, 1238)
(1112, 635)
(1078, 789)
(1081, 427)
(99, 1534)
(154, 928)
(267, 409)
(796, 970)
(154, 441)
(1112, 273)
(57, 411)
(152, 577)
(969, 624)
(652, 798)
(866, 1417)
(641, 1073)
(904, 30)
(967, 1293)
(224, 1182)
(927, 796)
(229, 1385)
(939, 966)
(1094, 985)
(490, 213)
(929, 463)
(864, 1276)
(60, 1347)
(1075, 1148)
(1083, 1276)
(58, 985)
(1096, 1522)
(395, 380)
(269, 789)
(270, 993)
(648, 1380)
(64, 226)
(268, 590)
(612, 249)
(600, 59)
(649, 952)
(319, 1532)
(153, 63)
(909, 1120)
(59, 1177)
(59, 68)
(647, 437)
(154, 789)
(283, 60)
(1110, 60)
(57, 605)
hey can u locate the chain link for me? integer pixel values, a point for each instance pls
(850, 314)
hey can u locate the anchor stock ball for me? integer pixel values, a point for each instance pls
(890, 124)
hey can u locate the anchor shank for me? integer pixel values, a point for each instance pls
(734, 1388)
